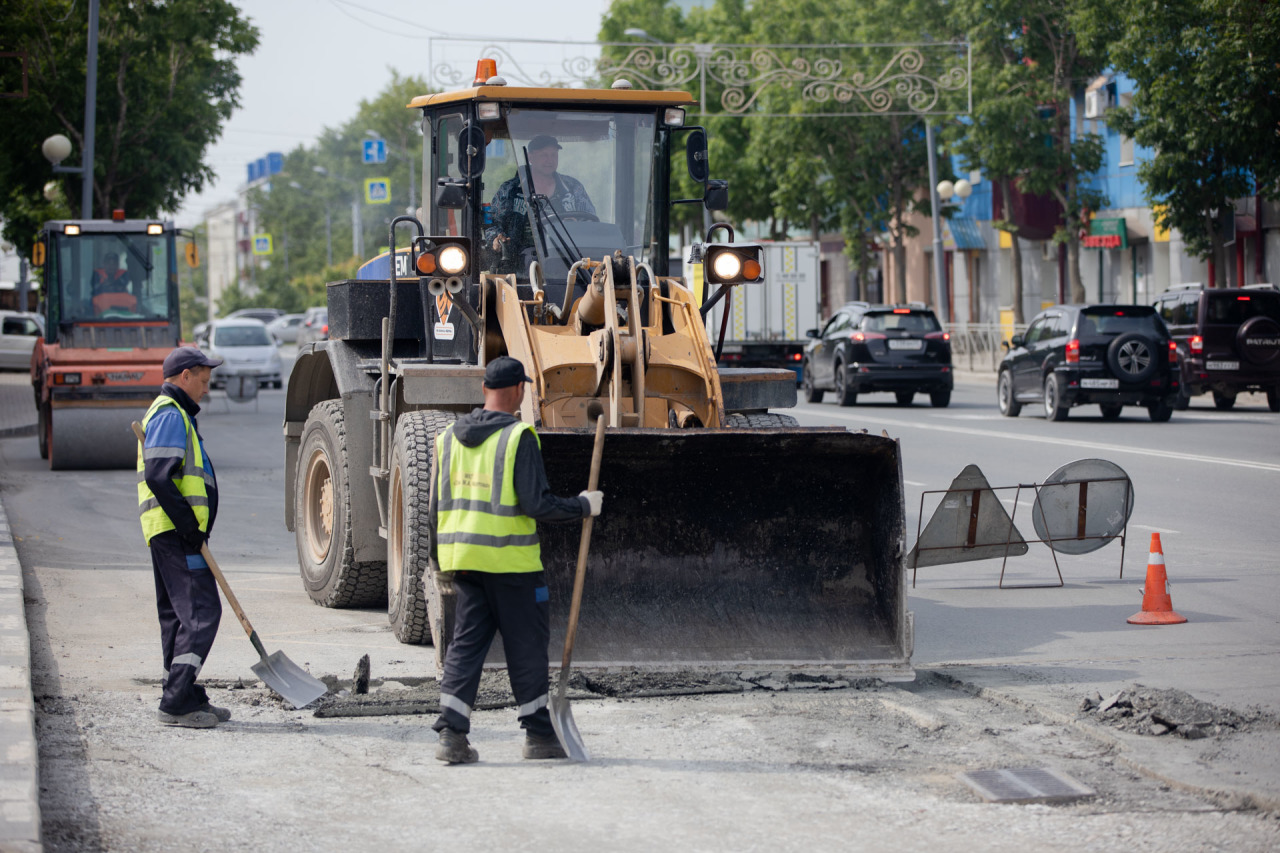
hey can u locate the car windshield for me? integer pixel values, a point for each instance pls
(1112, 320)
(900, 321)
(1235, 308)
(592, 184)
(100, 276)
(240, 336)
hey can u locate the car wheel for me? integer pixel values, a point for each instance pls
(904, 397)
(847, 396)
(278, 384)
(1054, 409)
(1132, 357)
(811, 394)
(1273, 399)
(1009, 407)
(1223, 401)
(1110, 411)
(940, 399)
(1256, 340)
(1159, 412)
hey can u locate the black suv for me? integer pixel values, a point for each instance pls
(1072, 355)
(865, 348)
(1228, 340)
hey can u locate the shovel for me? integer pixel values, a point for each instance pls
(561, 713)
(295, 684)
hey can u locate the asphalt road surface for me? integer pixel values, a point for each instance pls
(867, 766)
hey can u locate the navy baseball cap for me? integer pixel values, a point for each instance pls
(543, 141)
(184, 358)
(503, 372)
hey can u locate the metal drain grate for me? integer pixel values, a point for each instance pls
(1025, 785)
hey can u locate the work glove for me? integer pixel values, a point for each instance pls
(193, 540)
(594, 500)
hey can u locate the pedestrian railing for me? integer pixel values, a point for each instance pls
(977, 346)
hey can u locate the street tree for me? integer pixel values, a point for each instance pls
(1207, 103)
(1028, 65)
(167, 82)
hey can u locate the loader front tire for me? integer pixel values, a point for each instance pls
(322, 523)
(761, 420)
(409, 524)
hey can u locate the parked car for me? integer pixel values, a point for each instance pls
(1072, 355)
(314, 327)
(1228, 341)
(18, 333)
(285, 329)
(867, 348)
(246, 349)
(266, 315)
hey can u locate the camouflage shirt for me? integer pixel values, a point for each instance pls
(509, 214)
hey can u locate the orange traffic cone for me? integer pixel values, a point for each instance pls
(1157, 606)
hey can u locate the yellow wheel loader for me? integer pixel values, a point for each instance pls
(731, 539)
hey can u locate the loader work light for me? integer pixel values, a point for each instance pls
(452, 259)
(71, 230)
(734, 263)
(446, 255)
(155, 228)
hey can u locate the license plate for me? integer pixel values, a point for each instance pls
(906, 344)
(1222, 365)
(1099, 383)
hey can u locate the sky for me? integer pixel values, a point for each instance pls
(316, 60)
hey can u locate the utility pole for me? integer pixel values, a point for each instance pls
(90, 110)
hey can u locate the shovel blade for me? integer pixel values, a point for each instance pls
(567, 729)
(298, 687)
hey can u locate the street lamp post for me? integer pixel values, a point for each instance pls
(57, 147)
(357, 226)
(328, 226)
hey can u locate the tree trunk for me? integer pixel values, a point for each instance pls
(1005, 186)
(1074, 282)
(898, 293)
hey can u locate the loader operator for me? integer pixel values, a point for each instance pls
(490, 490)
(178, 500)
(109, 286)
(510, 234)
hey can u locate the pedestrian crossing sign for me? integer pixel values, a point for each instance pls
(377, 191)
(262, 244)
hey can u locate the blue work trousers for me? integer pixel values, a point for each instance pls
(189, 608)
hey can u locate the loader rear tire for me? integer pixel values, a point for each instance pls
(408, 524)
(322, 525)
(761, 420)
(846, 396)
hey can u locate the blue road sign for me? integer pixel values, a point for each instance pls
(375, 151)
(262, 244)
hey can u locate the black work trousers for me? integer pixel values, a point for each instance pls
(514, 605)
(189, 608)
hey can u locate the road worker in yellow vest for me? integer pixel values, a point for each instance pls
(490, 490)
(178, 502)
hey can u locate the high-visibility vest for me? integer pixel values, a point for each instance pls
(191, 480)
(479, 525)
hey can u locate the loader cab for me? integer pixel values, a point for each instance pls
(104, 274)
(550, 176)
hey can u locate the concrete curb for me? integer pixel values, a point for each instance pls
(19, 757)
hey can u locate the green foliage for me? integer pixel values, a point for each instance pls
(167, 82)
(1207, 103)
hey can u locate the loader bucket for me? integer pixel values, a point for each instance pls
(734, 549)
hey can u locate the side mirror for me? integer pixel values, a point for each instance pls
(717, 195)
(37, 254)
(695, 152)
(450, 194)
(471, 151)
(811, 333)
(1016, 341)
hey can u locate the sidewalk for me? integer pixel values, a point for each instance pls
(19, 769)
(17, 404)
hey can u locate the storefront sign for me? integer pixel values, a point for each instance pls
(1106, 234)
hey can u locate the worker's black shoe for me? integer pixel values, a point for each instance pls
(455, 749)
(542, 746)
(193, 720)
(221, 713)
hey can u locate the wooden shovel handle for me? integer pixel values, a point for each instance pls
(579, 577)
(217, 573)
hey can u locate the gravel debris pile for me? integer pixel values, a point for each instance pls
(1150, 711)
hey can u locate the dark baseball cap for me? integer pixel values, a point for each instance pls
(543, 141)
(503, 372)
(184, 358)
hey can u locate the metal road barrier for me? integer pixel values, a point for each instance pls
(977, 346)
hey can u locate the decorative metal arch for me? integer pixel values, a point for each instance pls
(735, 79)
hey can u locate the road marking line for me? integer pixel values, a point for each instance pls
(1064, 442)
